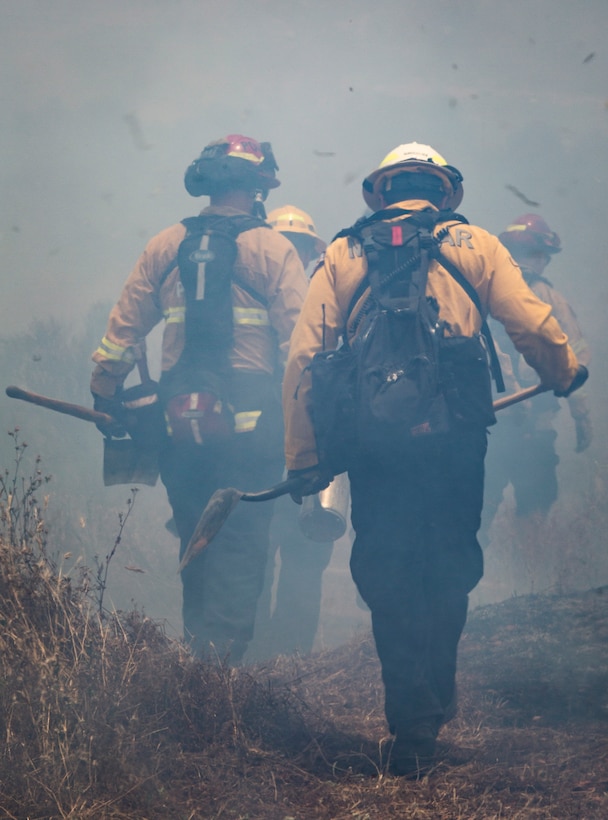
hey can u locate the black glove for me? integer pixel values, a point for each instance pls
(115, 408)
(312, 481)
(582, 374)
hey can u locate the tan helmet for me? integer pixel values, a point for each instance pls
(291, 220)
(413, 157)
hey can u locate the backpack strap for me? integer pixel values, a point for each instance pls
(377, 216)
(427, 220)
(243, 223)
(464, 283)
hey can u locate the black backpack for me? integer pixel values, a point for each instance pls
(402, 379)
(197, 392)
(206, 258)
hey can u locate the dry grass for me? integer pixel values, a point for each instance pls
(103, 716)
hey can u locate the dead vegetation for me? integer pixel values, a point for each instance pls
(103, 716)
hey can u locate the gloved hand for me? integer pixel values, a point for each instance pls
(582, 374)
(312, 480)
(584, 433)
(115, 408)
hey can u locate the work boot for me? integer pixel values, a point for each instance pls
(413, 750)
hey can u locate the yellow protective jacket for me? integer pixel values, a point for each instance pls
(488, 267)
(578, 402)
(266, 261)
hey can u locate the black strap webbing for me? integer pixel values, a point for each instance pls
(464, 283)
(428, 219)
(247, 224)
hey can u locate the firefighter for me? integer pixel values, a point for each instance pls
(215, 440)
(299, 228)
(292, 626)
(528, 459)
(415, 556)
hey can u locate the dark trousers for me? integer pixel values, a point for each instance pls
(414, 560)
(292, 626)
(222, 584)
(527, 459)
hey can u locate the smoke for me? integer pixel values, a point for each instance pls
(104, 106)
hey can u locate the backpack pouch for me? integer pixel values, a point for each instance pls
(199, 418)
(333, 391)
(467, 382)
(399, 395)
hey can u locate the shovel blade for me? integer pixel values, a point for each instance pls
(125, 463)
(218, 508)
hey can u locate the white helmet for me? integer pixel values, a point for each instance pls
(413, 157)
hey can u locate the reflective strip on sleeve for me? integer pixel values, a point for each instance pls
(250, 316)
(175, 315)
(115, 353)
(247, 421)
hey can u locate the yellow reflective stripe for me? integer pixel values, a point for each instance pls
(247, 421)
(245, 155)
(115, 353)
(241, 316)
(175, 315)
(250, 316)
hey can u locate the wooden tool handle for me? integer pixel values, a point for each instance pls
(76, 410)
(522, 395)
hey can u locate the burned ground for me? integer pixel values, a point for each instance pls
(105, 717)
(529, 739)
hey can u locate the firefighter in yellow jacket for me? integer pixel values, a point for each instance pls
(292, 624)
(415, 556)
(528, 458)
(533, 244)
(229, 290)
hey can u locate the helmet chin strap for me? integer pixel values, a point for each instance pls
(258, 205)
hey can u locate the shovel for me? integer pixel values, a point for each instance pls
(223, 501)
(123, 461)
(219, 507)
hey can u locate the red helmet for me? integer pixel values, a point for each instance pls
(234, 161)
(530, 233)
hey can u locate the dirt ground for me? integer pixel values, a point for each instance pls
(529, 741)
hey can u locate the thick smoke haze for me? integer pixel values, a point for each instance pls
(105, 104)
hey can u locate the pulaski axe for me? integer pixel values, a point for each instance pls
(223, 501)
(124, 462)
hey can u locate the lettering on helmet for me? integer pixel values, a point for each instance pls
(250, 147)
